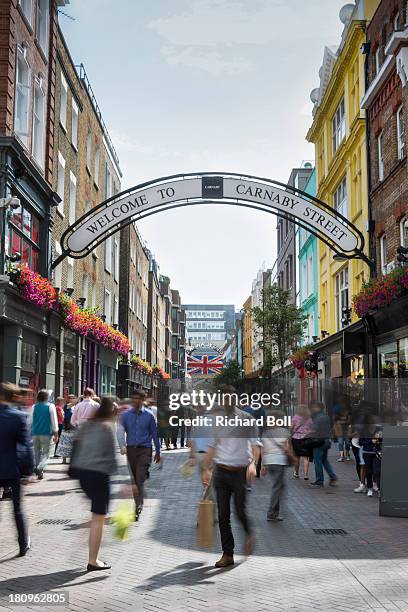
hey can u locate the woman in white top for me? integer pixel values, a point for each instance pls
(276, 451)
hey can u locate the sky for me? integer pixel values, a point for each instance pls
(205, 85)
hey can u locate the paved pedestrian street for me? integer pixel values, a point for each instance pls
(160, 566)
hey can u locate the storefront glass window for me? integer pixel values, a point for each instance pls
(69, 374)
(388, 370)
(403, 372)
(24, 236)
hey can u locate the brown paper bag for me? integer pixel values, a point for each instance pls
(205, 527)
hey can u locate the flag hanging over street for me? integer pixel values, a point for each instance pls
(204, 364)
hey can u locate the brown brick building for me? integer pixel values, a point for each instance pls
(86, 172)
(27, 102)
(386, 102)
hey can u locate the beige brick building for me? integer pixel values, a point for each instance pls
(87, 172)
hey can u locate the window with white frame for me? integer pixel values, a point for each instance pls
(88, 151)
(311, 326)
(85, 288)
(22, 101)
(63, 101)
(107, 306)
(115, 310)
(61, 182)
(108, 181)
(380, 148)
(70, 273)
(38, 138)
(108, 254)
(94, 304)
(338, 126)
(396, 21)
(404, 231)
(116, 260)
(340, 198)
(383, 253)
(26, 7)
(377, 59)
(400, 133)
(42, 24)
(310, 275)
(57, 273)
(72, 197)
(341, 290)
(74, 124)
(96, 166)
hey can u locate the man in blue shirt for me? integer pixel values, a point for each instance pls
(135, 436)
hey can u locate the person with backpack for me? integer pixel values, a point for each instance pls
(321, 435)
(44, 427)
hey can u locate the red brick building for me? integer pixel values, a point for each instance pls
(386, 103)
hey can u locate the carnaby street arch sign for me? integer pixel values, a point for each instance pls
(166, 193)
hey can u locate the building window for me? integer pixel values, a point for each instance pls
(338, 126)
(380, 157)
(70, 272)
(96, 166)
(108, 182)
(107, 308)
(396, 22)
(310, 276)
(38, 140)
(88, 151)
(404, 231)
(61, 182)
(108, 254)
(377, 60)
(22, 102)
(383, 254)
(42, 24)
(400, 133)
(304, 282)
(72, 198)
(116, 261)
(341, 295)
(27, 8)
(340, 198)
(57, 273)
(24, 237)
(74, 124)
(63, 101)
(115, 310)
(85, 288)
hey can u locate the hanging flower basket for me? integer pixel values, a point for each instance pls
(380, 292)
(83, 321)
(298, 357)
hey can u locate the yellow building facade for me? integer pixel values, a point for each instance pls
(338, 132)
(247, 337)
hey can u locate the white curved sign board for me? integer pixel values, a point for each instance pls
(210, 188)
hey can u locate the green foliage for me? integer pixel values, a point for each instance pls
(280, 323)
(229, 374)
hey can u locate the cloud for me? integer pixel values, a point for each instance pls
(211, 61)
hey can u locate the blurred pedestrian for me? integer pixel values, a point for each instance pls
(234, 450)
(14, 434)
(301, 428)
(371, 444)
(150, 404)
(199, 441)
(321, 433)
(65, 443)
(84, 409)
(59, 408)
(93, 462)
(135, 436)
(44, 427)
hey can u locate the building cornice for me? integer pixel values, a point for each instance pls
(343, 62)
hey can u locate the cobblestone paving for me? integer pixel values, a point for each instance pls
(161, 568)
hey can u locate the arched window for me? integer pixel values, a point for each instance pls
(404, 231)
(38, 139)
(22, 100)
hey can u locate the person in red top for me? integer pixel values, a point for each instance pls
(59, 407)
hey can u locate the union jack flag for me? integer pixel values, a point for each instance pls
(204, 364)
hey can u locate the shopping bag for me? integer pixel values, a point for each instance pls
(122, 518)
(187, 469)
(205, 523)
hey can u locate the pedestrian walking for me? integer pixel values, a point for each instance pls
(85, 409)
(234, 451)
(150, 404)
(277, 454)
(65, 443)
(321, 434)
(199, 441)
(59, 407)
(371, 444)
(301, 428)
(44, 427)
(136, 433)
(14, 445)
(93, 463)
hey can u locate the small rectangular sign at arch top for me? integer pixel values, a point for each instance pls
(210, 188)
